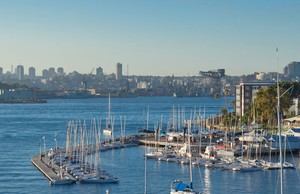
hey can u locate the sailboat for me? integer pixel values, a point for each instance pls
(178, 186)
(62, 179)
(95, 175)
(108, 131)
(281, 163)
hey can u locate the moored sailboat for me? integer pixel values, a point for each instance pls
(96, 176)
(108, 130)
(177, 186)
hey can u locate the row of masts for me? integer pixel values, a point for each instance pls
(81, 142)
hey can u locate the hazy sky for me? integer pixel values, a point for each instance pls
(153, 37)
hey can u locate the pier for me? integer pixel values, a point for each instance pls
(150, 141)
(50, 170)
(57, 174)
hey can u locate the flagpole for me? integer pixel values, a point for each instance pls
(40, 150)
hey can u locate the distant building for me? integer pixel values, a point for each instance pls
(99, 72)
(20, 72)
(213, 79)
(60, 71)
(119, 71)
(292, 70)
(245, 93)
(31, 73)
(142, 85)
(285, 70)
(45, 73)
(1, 72)
(266, 76)
(52, 71)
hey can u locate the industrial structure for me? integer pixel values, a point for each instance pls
(214, 79)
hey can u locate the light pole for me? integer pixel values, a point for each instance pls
(44, 147)
(55, 143)
(40, 150)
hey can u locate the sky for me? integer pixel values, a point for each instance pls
(150, 37)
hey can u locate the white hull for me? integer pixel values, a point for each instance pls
(107, 132)
(63, 182)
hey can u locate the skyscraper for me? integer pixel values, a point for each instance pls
(31, 72)
(20, 72)
(99, 71)
(293, 70)
(45, 73)
(60, 71)
(119, 71)
(51, 71)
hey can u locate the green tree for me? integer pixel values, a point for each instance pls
(266, 101)
(226, 93)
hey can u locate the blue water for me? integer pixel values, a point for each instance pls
(22, 127)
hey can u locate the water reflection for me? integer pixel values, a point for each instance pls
(207, 181)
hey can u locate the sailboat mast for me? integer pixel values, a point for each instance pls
(279, 129)
(145, 173)
(109, 108)
(190, 153)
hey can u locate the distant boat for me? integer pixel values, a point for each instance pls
(19, 95)
(23, 100)
(108, 131)
(99, 179)
(63, 181)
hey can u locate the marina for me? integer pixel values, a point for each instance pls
(68, 165)
(121, 163)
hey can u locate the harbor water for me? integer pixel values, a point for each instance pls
(23, 127)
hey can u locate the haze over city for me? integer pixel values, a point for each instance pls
(151, 37)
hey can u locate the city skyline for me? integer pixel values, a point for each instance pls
(151, 37)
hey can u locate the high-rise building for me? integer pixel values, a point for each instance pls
(60, 71)
(99, 72)
(45, 73)
(20, 72)
(1, 72)
(293, 70)
(119, 71)
(245, 93)
(51, 71)
(31, 72)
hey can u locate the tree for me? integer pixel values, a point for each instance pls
(226, 93)
(266, 101)
(217, 96)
